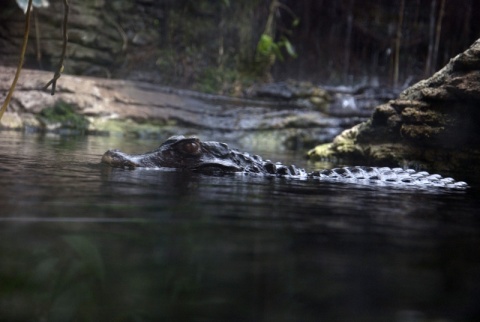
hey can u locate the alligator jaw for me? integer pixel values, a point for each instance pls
(118, 159)
(217, 167)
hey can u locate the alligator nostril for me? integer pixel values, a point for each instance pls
(107, 157)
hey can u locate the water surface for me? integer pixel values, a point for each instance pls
(82, 241)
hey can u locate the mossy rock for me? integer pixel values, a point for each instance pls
(63, 116)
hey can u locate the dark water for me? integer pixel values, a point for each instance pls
(84, 242)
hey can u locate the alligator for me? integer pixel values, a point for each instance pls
(217, 158)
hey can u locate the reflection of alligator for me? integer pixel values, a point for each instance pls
(214, 157)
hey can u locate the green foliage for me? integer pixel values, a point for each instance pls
(288, 47)
(64, 114)
(295, 22)
(267, 46)
(268, 49)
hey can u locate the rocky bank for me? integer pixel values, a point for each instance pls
(126, 107)
(434, 124)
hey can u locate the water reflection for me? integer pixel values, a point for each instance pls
(79, 241)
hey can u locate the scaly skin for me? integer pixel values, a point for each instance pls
(214, 157)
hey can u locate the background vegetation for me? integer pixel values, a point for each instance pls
(223, 46)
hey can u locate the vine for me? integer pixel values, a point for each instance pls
(60, 68)
(22, 58)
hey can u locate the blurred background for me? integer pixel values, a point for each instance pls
(224, 46)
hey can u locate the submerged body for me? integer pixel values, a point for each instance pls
(214, 157)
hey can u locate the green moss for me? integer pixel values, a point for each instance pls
(323, 151)
(63, 116)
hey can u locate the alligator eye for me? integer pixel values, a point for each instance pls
(192, 148)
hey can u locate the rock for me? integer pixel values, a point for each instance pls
(334, 101)
(103, 35)
(134, 108)
(433, 124)
(11, 120)
(296, 94)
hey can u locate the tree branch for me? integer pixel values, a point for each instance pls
(20, 63)
(59, 70)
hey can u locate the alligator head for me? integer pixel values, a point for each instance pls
(180, 152)
(193, 154)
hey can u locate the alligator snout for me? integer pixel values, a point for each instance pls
(116, 158)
